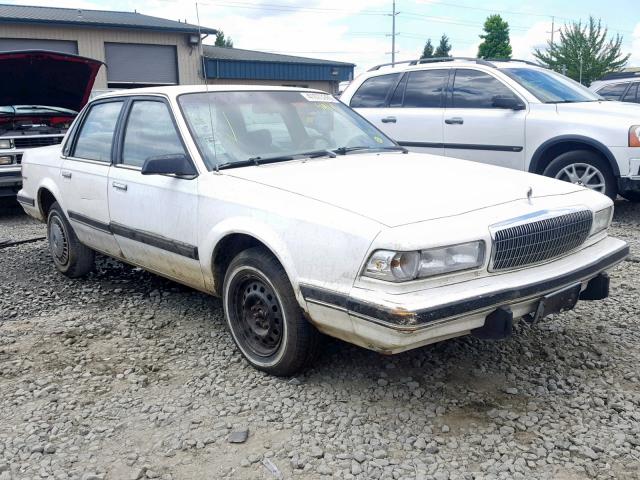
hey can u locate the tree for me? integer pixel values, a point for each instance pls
(221, 41)
(443, 48)
(584, 53)
(495, 40)
(427, 52)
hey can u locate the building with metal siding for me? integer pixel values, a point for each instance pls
(235, 65)
(144, 50)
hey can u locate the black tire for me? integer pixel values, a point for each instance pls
(70, 257)
(631, 196)
(264, 317)
(584, 157)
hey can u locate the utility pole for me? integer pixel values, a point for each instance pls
(393, 33)
(553, 28)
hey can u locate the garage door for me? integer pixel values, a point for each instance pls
(138, 63)
(66, 46)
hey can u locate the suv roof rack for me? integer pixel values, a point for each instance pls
(513, 60)
(479, 61)
(616, 75)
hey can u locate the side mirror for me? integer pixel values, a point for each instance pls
(173, 164)
(507, 102)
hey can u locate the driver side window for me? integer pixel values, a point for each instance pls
(149, 132)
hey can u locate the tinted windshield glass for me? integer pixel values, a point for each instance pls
(233, 127)
(551, 87)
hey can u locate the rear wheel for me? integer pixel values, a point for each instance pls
(70, 257)
(584, 168)
(264, 317)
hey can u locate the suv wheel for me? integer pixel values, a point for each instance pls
(264, 317)
(70, 257)
(584, 168)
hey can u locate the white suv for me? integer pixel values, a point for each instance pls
(509, 113)
(620, 86)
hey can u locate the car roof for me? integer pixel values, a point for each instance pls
(454, 63)
(614, 81)
(175, 90)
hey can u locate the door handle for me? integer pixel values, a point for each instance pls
(389, 120)
(120, 186)
(454, 121)
(65, 174)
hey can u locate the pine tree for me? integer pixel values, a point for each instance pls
(427, 51)
(443, 48)
(495, 40)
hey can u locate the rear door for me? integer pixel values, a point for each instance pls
(632, 94)
(84, 175)
(474, 129)
(153, 217)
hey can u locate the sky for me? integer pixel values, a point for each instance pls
(359, 31)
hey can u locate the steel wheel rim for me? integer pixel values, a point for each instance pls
(583, 174)
(258, 315)
(58, 242)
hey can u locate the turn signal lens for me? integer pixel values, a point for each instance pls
(601, 220)
(634, 136)
(6, 160)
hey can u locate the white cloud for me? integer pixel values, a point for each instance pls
(537, 36)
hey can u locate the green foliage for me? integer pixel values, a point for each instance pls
(495, 40)
(427, 51)
(443, 48)
(221, 41)
(584, 53)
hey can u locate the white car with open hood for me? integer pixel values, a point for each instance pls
(305, 218)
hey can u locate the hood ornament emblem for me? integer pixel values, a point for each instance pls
(530, 195)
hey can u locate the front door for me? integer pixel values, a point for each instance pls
(154, 216)
(84, 176)
(474, 129)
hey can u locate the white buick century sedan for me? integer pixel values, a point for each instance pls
(307, 220)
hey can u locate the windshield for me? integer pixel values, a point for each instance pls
(246, 127)
(551, 87)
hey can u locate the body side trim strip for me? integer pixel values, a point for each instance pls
(26, 200)
(464, 146)
(147, 238)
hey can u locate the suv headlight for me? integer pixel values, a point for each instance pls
(6, 143)
(601, 220)
(404, 266)
(634, 136)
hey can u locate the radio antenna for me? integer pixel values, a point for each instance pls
(206, 87)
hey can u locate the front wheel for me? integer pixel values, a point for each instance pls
(264, 317)
(584, 168)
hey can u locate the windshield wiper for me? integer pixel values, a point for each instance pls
(279, 158)
(346, 150)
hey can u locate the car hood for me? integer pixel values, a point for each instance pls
(396, 189)
(603, 108)
(40, 77)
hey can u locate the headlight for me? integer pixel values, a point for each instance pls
(601, 220)
(403, 266)
(6, 143)
(634, 136)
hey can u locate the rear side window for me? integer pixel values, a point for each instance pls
(632, 94)
(374, 91)
(475, 89)
(613, 92)
(425, 89)
(96, 134)
(150, 132)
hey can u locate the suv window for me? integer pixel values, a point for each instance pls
(424, 89)
(374, 91)
(150, 132)
(96, 134)
(632, 94)
(475, 89)
(613, 92)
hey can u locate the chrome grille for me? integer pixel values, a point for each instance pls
(541, 240)
(31, 142)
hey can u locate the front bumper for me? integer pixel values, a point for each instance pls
(10, 180)
(394, 323)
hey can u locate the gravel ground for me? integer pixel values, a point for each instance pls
(126, 375)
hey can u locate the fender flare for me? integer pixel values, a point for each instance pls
(537, 156)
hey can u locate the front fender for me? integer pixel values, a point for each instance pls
(257, 229)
